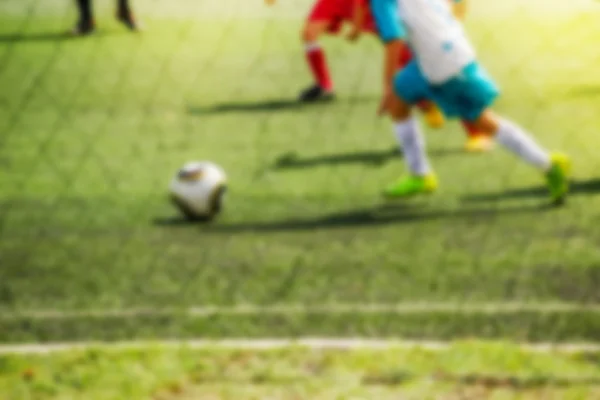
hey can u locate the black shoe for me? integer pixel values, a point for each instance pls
(126, 18)
(316, 93)
(83, 28)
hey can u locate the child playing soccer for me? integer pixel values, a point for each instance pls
(445, 69)
(328, 17)
(476, 140)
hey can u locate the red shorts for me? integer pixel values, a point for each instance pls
(336, 12)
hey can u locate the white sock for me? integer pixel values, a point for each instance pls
(312, 46)
(409, 137)
(522, 144)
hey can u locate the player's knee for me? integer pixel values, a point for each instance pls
(310, 33)
(487, 122)
(399, 109)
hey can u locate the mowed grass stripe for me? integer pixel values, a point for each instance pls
(566, 324)
(273, 344)
(286, 309)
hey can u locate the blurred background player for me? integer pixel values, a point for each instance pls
(328, 17)
(86, 23)
(446, 70)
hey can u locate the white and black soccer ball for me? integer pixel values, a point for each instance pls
(198, 189)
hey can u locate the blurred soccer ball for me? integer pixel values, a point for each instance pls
(197, 190)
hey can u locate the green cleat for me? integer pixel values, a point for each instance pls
(557, 177)
(412, 185)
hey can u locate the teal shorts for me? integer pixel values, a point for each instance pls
(466, 95)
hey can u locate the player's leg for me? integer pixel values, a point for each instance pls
(85, 25)
(322, 88)
(477, 141)
(475, 93)
(321, 20)
(125, 15)
(555, 166)
(410, 87)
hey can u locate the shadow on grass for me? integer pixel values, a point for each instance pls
(35, 37)
(517, 383)
(269, 105)
(291, 160)
(590, 357)
(46, 37)
(51, 36)
(587, 187)
(366, 217)
(486, 381)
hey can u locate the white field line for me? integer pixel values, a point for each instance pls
(270, 344)
(291, 309)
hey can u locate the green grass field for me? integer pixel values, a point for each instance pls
(92, 130)
(464, 371)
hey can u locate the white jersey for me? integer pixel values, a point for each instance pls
(436, 37)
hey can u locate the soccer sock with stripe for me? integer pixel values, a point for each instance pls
(409, 137)
(520, 143)
(315, 56)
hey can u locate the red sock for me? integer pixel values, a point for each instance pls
(318, 66)
(471, 129)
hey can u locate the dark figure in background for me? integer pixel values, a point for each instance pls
(87, 25)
